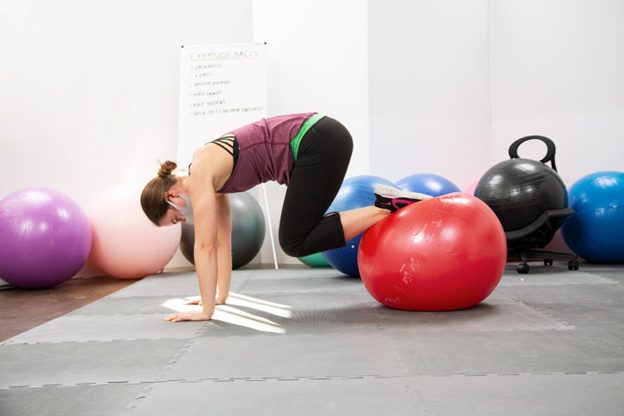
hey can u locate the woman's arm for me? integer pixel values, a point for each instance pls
(206, 214)
(224, 249)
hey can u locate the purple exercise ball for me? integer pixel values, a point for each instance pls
(45, 238)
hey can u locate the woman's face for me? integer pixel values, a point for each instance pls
(171, 217)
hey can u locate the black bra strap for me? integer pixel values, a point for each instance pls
(227, 149)
(226, 143)
(227, 140)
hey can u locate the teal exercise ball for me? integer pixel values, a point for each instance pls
(315, 260)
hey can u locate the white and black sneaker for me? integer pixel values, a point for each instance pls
(391, 198)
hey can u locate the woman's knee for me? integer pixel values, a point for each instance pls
(293, 250)
(291, 247)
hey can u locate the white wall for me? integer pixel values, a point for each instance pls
(557, 69)
(429, 93)
(90, 88)
(317, 61)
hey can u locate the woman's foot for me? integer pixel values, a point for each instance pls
(391, 198)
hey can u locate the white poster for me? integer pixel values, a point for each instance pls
(222, 87)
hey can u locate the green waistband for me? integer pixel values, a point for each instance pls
(294, 143)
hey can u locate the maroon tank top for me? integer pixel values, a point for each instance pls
(264, 152)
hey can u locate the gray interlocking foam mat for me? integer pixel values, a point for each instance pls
(312, 341)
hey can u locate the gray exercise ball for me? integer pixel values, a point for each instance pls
(248, 230)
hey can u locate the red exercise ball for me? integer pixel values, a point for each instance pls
(445, 253)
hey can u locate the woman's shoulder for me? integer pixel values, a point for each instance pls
(211, 163)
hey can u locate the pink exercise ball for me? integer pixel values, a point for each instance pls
(126, 245)
(470, 189)
(558, 244)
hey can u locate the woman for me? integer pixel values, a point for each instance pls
(307, 152)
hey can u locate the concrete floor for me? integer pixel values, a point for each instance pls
(314, 342)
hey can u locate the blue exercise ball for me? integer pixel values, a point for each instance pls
(596, 230)
(427, 183)
(355, 192)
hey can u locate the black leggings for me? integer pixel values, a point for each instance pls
(324, 155)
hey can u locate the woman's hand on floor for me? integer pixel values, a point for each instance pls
(220, 301)
(196, 300)
(189, 316)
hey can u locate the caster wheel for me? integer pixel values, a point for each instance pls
(548, 262)
(573, 265)
(523, 268)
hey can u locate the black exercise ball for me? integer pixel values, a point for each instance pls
(520, 190)
(248, 230)
(187, 242)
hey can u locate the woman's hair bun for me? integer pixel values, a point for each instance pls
(166, 168)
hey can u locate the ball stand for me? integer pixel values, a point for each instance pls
(524, 245)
